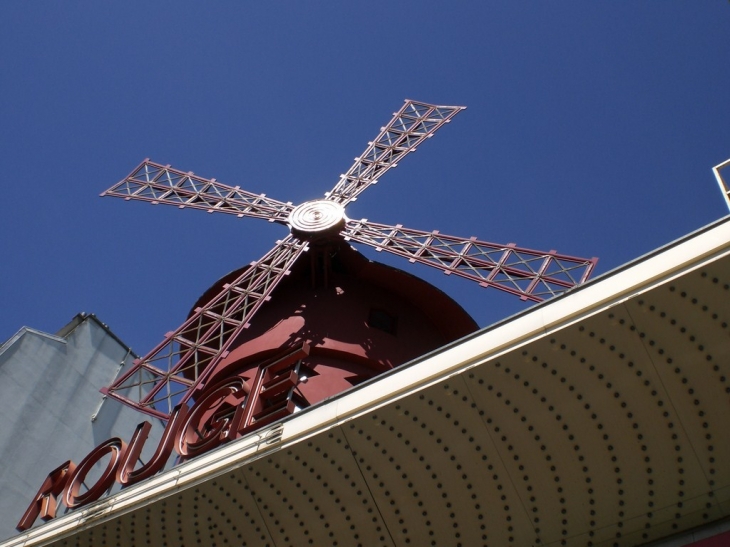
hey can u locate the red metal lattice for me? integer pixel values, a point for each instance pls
(170, 373)
(529, 274)
(157, 184)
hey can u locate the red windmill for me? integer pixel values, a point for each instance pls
(275, 359)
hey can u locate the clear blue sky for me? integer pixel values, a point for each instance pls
(591, 128)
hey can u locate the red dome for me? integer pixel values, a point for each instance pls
(359, 318)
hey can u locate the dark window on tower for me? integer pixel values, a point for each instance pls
(382, 320)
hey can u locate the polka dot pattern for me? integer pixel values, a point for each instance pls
(609, 432)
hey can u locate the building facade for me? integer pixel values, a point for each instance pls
(599, 418)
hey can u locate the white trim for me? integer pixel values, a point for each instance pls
(724, 187)
(27, 330)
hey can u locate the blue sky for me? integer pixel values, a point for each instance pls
(591, 129)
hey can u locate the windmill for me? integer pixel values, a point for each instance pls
(178, 368)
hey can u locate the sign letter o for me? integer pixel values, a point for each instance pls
(71, 497)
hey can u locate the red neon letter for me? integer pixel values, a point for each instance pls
(44, 503)
(71, 497)
(208, 425)
(126, 473)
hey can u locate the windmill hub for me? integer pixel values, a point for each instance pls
(316, 217)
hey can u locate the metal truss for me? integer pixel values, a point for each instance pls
(410, 126)
(177, 368)
(531, 275)
(157, 184)
(172, 371)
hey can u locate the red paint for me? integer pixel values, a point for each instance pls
(126, 473)
(333, 319)
(45, 501)
(114, 448)
(209, 423)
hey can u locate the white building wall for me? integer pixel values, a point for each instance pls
(51, 408)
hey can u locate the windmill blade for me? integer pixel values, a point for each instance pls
(158, 183)
(410, 126)
(171, 372)
(529, 274)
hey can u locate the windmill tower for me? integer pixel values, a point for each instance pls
(335, 319)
